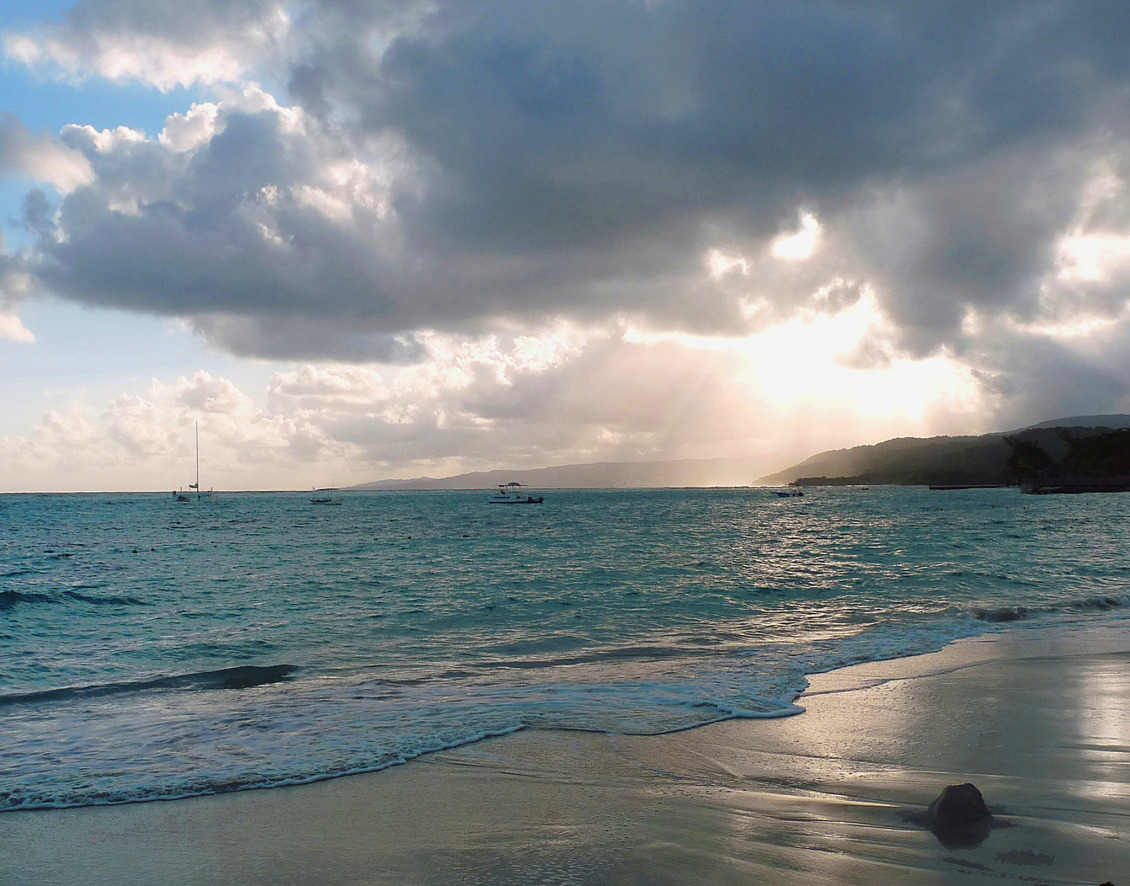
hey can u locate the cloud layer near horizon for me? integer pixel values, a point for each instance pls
(358, 178)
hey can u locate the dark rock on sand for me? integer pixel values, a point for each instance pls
(957, 805)
(959, 816)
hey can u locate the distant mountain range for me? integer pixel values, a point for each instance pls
(974, 460)
(602, 475)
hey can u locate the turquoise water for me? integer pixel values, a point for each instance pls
(151, 650)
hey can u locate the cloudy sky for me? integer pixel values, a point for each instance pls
(358, 239)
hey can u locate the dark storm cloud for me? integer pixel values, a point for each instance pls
(38, 213)
(578, 160)
(204, 232)
(983, 236)
(183, 21)
(598, 120)
(296, 338)
(1036, 377)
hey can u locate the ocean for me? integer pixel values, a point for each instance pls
(152, 650)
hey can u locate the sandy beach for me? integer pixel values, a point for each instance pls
(1039, 720)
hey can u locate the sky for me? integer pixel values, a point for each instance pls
(358, 239)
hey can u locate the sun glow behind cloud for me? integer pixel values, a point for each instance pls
(805, 362)
(820, 362)
(1094, 257)
(799, 244)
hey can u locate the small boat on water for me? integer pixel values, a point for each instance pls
(512, 494)
(195, 493)
(789, 492)
(325, 497)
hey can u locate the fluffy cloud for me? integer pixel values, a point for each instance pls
(160, 42)
(453, 168)
(564, 395)
(145, 439)
(40, 157)
(12, 327)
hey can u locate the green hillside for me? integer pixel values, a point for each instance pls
(906, 461)
(1088, 446)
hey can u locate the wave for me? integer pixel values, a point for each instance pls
(21, 572)
(9, 599)
(1098, 603)
(598, 656)
(23, 799)
(728, 698)
(1001, 614)
(241, 677)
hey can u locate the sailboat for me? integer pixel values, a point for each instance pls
(181, 495)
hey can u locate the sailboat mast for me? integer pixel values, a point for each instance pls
(198, 459)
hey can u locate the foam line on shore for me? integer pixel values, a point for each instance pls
(825, 798)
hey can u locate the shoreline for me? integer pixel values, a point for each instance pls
(1038, 718)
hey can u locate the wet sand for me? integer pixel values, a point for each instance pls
(1038, 720)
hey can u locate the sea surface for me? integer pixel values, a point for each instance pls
(155, 650)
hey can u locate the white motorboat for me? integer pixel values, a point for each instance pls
(512, 494)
